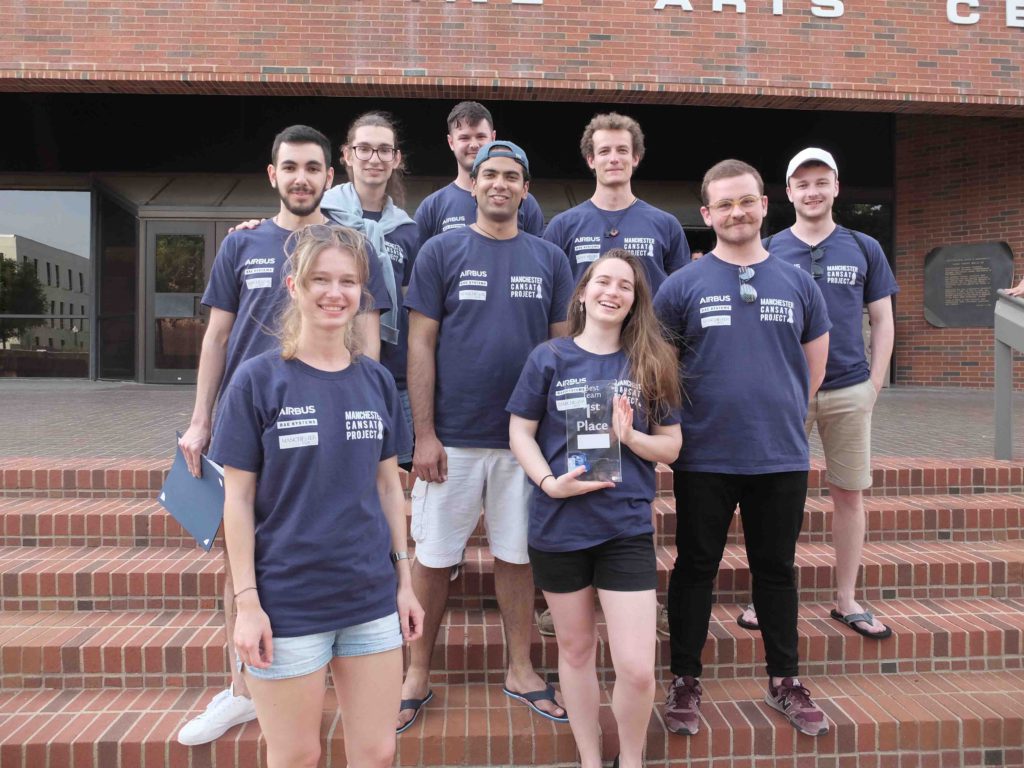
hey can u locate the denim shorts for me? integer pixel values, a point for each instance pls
(298, 656)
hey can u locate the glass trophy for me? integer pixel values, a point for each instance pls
(591, 441)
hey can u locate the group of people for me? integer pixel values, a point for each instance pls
(489, 329)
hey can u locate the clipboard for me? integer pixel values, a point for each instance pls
(196, 503)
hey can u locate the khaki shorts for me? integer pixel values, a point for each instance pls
(445, 514)
(844, 425)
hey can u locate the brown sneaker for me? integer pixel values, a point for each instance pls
(663, 620)
(682, 705)
(794, 701)
(545, 624)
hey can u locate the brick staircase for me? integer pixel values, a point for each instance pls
(110, 637)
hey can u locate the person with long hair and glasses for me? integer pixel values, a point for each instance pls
(314, 516)
(371, 202)
(587, 535)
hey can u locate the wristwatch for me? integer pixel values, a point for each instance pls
(396, 556)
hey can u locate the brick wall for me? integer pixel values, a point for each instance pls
(956, 181)
(880, 54)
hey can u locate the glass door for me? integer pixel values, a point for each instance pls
(179, 255)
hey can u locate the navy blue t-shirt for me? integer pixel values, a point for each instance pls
(652, 235)
(402, 243)
(850, 281)
(495, 301)
(555, 373)
(744, 369)
(247, 280)
(452, 207)
(315, 439)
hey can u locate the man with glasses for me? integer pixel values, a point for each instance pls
(245, 295)
(470, 126)
(613, 146)
(480, 299)
(752, 334)
(852, 272)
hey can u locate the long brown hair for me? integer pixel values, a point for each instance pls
(654, 367)
(309, 242)
(396, 182)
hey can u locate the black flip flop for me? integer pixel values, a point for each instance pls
(744, 623)
(530, 699)
(415, 705)
(851, 620)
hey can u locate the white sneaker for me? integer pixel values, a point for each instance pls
(224, 712)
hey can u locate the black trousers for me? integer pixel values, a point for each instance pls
(772, 511)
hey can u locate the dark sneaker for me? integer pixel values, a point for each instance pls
(682, 705)
(794, 701)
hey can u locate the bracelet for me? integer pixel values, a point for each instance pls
(540, 485)
(241, 591)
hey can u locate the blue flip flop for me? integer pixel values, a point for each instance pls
(415, 705)
(529, 699)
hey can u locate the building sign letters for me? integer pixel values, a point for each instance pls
(961, 12)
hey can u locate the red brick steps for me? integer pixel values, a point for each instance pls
(143, 477)
(890, 571)
(176, 578)
(130, 522)
(137, 649)
(959, 518)
(952, 719)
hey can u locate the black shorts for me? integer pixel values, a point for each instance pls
(619, 565)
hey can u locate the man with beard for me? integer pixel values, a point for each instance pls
(470, 126)
(247, 284)
(752, 333)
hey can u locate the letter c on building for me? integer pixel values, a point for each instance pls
(953, 12)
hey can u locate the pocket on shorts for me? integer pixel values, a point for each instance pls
(417, 525)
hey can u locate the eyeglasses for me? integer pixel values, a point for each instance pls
(747, 292)
(723, 207)
(817, 254)
(385, 153)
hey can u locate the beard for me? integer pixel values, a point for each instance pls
(305, 209)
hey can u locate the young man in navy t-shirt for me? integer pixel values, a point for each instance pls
(753, 340)
(245, 295)
(470, 126)
(481, 298)
(852, 272)
(613, 146)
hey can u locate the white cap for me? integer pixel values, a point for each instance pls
(811, 155)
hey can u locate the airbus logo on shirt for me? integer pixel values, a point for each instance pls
(586, 248)
(715, 310)
(258, 272)
(453, 222)
(526, 287)
(471, 281)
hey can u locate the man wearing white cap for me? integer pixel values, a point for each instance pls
(852, 272)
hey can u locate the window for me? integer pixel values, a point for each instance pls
(49, 278)
(70, 284)
(35, 263)
(81, 285)
(62, 312)
(53, 311)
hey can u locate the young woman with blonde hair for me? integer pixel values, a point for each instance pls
(592, 535)
(314, 516)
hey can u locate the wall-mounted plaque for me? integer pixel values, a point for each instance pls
(960, 283)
